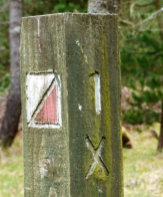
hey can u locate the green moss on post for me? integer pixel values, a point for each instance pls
(71, 62)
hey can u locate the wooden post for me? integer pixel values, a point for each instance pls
(70, 78)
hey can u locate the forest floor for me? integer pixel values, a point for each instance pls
(11, 170)
(143, 167)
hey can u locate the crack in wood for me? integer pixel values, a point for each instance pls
(52, 192)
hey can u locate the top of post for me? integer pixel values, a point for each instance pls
(67, 14)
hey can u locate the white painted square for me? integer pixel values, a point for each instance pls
(43, 100)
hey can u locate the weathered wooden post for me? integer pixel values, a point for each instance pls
(71, 105)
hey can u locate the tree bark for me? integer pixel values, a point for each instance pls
(103, 6)
(10, 122)
(160, 143)
(160, 24)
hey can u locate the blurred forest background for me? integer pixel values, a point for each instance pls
(141, 54)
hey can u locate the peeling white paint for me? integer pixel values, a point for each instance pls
(52, 192)
(97, 93)
(79, 107)
(77, 42)
(44, 168)
(38, 32)
(85, 58)
(100, 191)
(45, 126)
(82, 51)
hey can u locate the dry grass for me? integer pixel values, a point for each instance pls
(11, 170)
(143, 166)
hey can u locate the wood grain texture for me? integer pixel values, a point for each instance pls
(83, 157)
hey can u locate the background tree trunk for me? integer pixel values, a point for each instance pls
(10, 122)
(102, 6)
(160, 24)
(160, 142)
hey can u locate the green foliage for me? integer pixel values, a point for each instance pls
(51, 6)
(4, 42)
(142, 63)
(133, 116)
(136, 116)
(4, 82)
(70, 6)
